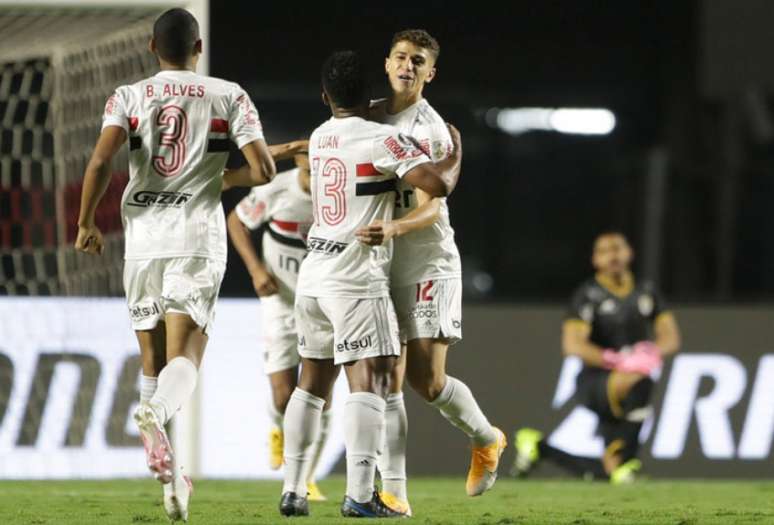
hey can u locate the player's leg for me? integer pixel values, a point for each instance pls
(392, 460)
(366, 342)
(313, 491)
(282, 384)
(629, 399)
(280, 363)
(364, 424)
(426, 373)
(532, 447)
(303, 414)
(153, 356)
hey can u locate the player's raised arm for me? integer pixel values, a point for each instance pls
(244, 175)
(439, 179)
(95, 182)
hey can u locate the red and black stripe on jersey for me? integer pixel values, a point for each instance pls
(365, 186)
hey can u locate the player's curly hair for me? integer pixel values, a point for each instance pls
(344, 79)
(418, 37)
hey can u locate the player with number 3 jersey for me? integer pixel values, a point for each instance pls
(178, 125)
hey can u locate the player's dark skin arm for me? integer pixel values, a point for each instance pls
(439, 179)
(263, 281)
(260, 168)
(575, 341)
(95, 183)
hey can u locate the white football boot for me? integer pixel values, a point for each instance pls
(158, 451)
(176, 496)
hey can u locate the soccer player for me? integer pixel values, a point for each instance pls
(622, 330)
(426, 283)
(344, 315)
(286, 206)
(178, 124)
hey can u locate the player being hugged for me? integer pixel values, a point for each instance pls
(344, 315)
(425, 282)
(621, 330)
(284, 207)
(178, 124)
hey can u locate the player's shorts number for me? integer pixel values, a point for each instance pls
(169, 156)
(334, 174)
(423, 292)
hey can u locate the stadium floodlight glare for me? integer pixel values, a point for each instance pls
(572, 121)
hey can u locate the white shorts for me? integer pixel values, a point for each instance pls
(280, 343)
(186, 285)
(346, 329)
(430, 310)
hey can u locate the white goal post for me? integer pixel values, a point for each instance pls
(59, 62)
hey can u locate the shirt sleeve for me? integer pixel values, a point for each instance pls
(396, 153)
(115, 113)
(254, 209)
(243, 122)
(659, 303)
(435, 140)
(581, 308)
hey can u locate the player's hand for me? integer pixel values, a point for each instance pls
(264, 284)
(89, 240)
(643, 358)
(377, 233)
(456, 139)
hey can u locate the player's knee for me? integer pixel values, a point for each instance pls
(426, 383)
(281, 397)
(638, 396)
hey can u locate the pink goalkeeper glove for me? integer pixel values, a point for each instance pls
(644, 358)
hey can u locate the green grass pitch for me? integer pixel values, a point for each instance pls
(435, 501)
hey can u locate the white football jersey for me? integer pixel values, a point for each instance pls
(288, 210)
(355, 165)
(179, 124)
(430, 253)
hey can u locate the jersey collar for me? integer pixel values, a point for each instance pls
(619, 290)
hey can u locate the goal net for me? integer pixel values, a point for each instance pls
(58, 66)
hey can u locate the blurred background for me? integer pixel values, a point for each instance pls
(675, 148)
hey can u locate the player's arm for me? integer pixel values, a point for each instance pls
(667, 333)
(263, 281)
(243, 175)
(439, 179)
(95, 182)
(575, 341)
(423, 216)
(259, 169)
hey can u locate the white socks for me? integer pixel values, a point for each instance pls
(300, 428)
(363, 434)
(275, 416)
(392, 461)
(319, 443)
(176, 383)
(459, 407)
(148, 386)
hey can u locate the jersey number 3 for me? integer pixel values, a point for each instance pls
(334, 176)
(169, 153)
